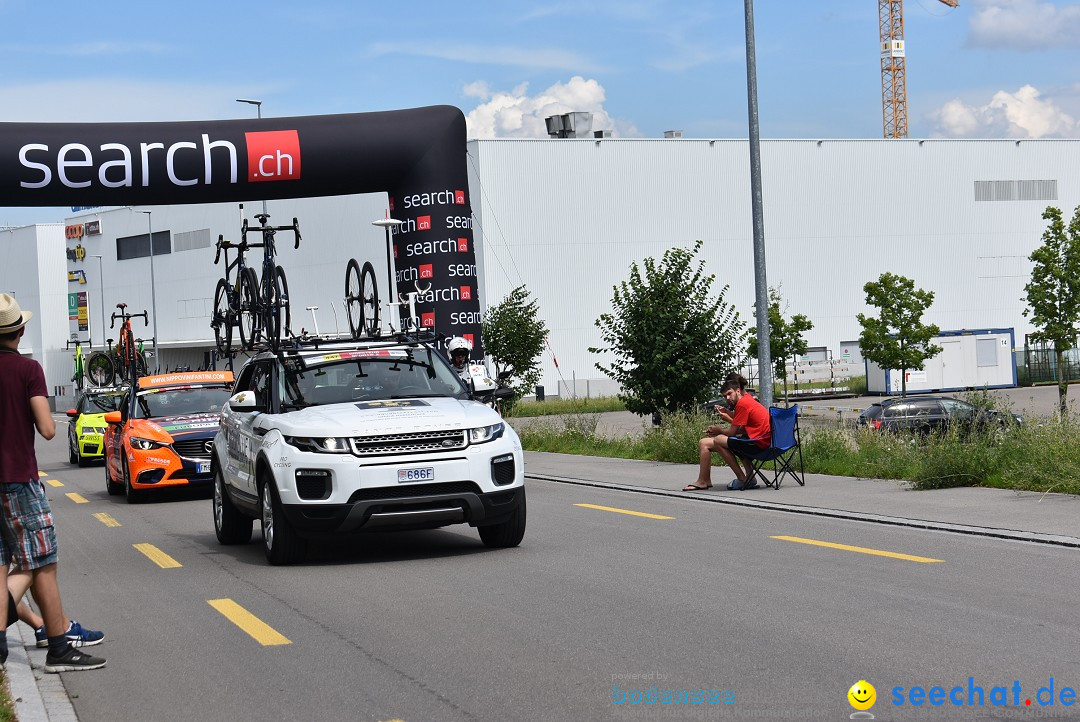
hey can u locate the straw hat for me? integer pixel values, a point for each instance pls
(12, 318)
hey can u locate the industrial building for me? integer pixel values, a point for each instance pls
(568, 217)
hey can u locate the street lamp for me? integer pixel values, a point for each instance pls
(387, 224)
(101, 285)
(258, 109)
(153, 288)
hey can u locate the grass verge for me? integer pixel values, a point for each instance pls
(7, 705)
(553, 407)
(1044, 455)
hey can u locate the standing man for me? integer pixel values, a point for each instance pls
(748, 429)
(27, 536)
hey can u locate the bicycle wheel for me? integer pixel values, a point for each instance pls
(353, 303)
(223, 319)
(369, 306)
(280, 311)
(248, 322)
(140, 364)
(99, 369)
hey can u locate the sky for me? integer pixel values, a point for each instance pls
(985, 69)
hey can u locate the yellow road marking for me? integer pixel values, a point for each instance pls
(54, 482)
(41, 473)
(624, 511)
(106, 519)
(77, 498)
(860, 550)
(157, 556)
(257, 629)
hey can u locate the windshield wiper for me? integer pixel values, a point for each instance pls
(418, 396)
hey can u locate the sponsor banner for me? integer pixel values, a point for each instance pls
(187, 377)
(78, 311)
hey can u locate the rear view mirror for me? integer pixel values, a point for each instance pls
(243, 401)
(72, 413)
(113, 417)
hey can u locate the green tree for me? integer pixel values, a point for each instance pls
(1053, 293)
(785, 337)
(897, 338)
(671, 341)
(513, 335)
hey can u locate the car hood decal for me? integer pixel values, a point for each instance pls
(387, 417)
(188, 424)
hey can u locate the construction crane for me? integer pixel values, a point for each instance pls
(893, 76)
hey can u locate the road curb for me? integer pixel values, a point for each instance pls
(1011, 534)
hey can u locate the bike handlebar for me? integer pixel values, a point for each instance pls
(128, 316)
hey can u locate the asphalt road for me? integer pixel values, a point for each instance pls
(595, 603)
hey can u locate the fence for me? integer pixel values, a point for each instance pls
(1040, 362)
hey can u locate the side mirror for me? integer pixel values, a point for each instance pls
(503, 393)
(481, 384)
(504, 375)
(114, 417)
(72, 413)
(243, 401)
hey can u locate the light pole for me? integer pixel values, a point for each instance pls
(258, 109)
(153, 288)
(101, 284)
(386, 224)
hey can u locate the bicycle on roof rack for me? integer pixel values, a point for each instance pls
(258, 309)
(126, 360)
(362, 300)
(78, 370)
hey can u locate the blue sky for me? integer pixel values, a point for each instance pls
(989, 68)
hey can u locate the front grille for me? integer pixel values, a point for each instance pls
(192, 448)
(415, 443)
(407, 490)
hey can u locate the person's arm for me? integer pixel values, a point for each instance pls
(43, 419)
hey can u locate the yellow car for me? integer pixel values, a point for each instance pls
(86, 429)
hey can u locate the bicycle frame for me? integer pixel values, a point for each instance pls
(273, 288)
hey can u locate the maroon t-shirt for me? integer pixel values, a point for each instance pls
(20, 380)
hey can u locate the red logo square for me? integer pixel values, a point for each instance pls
(391, 203)
(425, 271)
(463, 245)
(469, 337)
(465, 293)
(459, 197)
(395, 251)
(273, 155)
(423, 223)
(427, 320)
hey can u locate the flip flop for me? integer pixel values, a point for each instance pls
(735, 485)
(695, 487)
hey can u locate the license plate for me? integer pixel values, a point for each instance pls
(202, 467)
(422, 473)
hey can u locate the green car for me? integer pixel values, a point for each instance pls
(87, 426)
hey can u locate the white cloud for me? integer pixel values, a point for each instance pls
(518, 115)
(1024, 24)
(1023, 114)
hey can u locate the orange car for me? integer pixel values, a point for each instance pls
(163, 434)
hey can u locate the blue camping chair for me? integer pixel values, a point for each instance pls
(784, 446)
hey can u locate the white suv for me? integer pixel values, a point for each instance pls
(359, 436)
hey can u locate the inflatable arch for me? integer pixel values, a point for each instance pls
(417, 156)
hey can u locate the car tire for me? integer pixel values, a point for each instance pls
(81, 460)
(111, 486)
(230, 525)
(73, 455)
(507, 534)
(134, 496)
(280, 541)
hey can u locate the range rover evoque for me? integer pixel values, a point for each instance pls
(336, 438)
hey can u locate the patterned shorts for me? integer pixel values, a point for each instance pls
(27, 536)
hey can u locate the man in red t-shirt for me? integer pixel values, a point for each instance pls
(748, 429)
(27, 536)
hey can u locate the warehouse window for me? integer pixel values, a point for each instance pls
(1016, 190)
(139, 246)
(191, 240)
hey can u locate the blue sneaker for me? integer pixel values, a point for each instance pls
(41, 636)
(79, 637)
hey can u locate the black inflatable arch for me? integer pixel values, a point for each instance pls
(417, 156)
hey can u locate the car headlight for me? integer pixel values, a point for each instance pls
(320, 444)
(145, 444)
(483, 434)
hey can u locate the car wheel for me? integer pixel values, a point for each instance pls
(73, 455)
(280, 541)
(111, 486)
(134, 496)
(231, 526)
(507, 534)
(81, 460)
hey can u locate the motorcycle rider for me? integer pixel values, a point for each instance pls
(458, 350)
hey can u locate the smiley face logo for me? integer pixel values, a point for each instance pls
(862, 695)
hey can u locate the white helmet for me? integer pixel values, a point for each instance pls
(458, 344)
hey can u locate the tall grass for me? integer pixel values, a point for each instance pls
(553, 407)
(1043, 455)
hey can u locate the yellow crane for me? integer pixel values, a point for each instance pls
(893, 78)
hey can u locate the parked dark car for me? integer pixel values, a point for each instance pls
(926, 414)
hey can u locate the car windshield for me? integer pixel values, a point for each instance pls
(100, 403)
(372, 375)
(155, 403)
